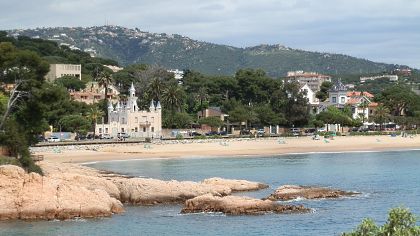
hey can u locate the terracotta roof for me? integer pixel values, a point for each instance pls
(358, 94)
(373, 104)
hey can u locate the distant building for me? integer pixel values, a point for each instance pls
(60, 70)
(178, 74)
(212, 112)
(361, 103)
(312, 79)
(393, 78)
(126, 117)
(114, 68)
(93, 93)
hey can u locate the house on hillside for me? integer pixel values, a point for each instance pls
(93, 93)
(311, 96)
(60, 70)
(211, 112)
(312, 79)
(126, 117)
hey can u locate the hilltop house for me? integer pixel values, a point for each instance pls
(60, 70)
(128, 118)
(312, 79)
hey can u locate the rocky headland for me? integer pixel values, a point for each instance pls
(291, 192)
(68, 191)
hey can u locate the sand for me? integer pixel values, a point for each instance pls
(229, 148)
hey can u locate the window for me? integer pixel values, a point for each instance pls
(122, 120)
(136, 130)
(100, 130)
(136, 120)
(144, 129)
(342, 100)
(153, 129)
(122, 130)
(334, 99)
(106, 130)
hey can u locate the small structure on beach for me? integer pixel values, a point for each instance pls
(126, 118)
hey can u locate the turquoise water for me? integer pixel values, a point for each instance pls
(386, 179)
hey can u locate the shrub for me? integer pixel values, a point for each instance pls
(148, 140)
(400, 222)
(179, 137)
(9, 161)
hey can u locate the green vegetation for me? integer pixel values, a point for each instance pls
(401, 222)
(129, 46)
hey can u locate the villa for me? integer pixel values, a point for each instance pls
(126, 117)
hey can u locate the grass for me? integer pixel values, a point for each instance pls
(9, 161)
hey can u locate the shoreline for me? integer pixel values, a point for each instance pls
(226, 148)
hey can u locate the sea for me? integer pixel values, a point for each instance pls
(384, 179)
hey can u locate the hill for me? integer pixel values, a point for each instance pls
(131, 46)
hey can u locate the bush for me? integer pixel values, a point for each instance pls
(148, 140)
(9, 161)
(200, 137)
(401, 222)
(29, 165)
(179, 137)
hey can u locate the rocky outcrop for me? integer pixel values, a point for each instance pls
(67, 191)
(235, 205)
(236, 185)
(152, 191)
(291, 192)
(31, 196)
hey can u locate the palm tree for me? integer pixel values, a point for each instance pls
(156, 88)
(202, 96)
(363, 105)
(104, 79)
(173, 97)
(93, 115)
(381, 115)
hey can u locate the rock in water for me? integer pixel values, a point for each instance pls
(290, 192)
(235, 205)
(236, 185)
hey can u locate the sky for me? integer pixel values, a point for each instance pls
(379, 30)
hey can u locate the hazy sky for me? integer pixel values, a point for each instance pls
(378, 30)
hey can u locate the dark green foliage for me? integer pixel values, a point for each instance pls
(176, 120)
(174, 51)
(75, 123)
(213, 122)
(335, 116)
(401, 222)
(71, 82)
(322, 94)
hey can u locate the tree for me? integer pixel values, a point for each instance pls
(93, 115)
(177, 120)
(213, 122)
(334, 115)
(104, 79)
(202, 97)
(71, 82)
(322, 94)
(381, 115)
(156, 88)
(173, 97)
(75, 123)
(363, 105)
(399, 99)
(401, 222)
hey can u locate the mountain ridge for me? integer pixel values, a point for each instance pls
(131, 46)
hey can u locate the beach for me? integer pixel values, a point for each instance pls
(223, 148)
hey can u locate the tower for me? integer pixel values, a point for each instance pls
(132, 100)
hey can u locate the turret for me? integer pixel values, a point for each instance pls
(152, 106)
(158, 106)
(132, 90)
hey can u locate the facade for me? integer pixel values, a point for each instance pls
(312, 79)
(126, 117)
(309, 94)
(361, 103)
(93, 93)
(212, 112)
(59, 70)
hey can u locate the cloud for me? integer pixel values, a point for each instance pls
(380, 30)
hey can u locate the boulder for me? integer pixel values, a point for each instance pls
(291, 192)
(236, 185)
(235, 205)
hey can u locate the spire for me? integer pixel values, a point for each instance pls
(158, 106)
(132, 90)
(152, 105)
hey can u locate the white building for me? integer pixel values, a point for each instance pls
(60, 70)
(128, 118)
(178, 74)
(312, 79)
(393, 78)
(309, 94)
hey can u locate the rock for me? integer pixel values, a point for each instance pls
(290, 192)
(236, 185)
(151, 191)
(31, 196)
(235, 205)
